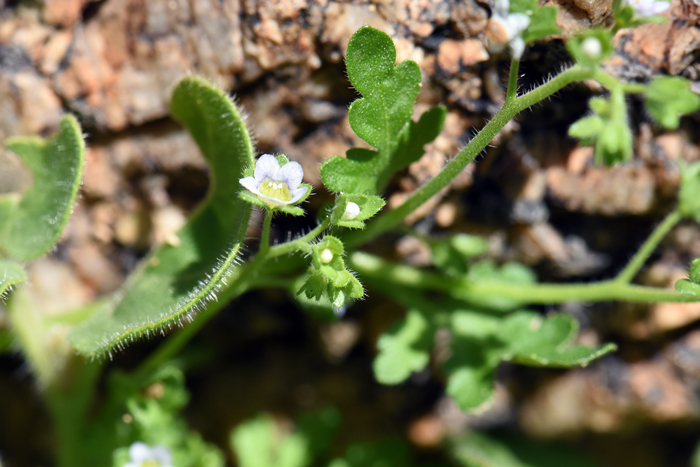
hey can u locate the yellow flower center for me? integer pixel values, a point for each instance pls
(275, 190)
(150, 463)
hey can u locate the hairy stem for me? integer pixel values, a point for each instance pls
(511, 108)
(469, 290)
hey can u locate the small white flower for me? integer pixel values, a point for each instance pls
(326, 256)
(275, 185)
(142, 455)
(506, 28)
(646, 8)
(352, 210)
(592, 47)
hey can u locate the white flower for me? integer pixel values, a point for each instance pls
(352, 210)
(506, 28)
(646, 8)
(275, 185)
(142, 455)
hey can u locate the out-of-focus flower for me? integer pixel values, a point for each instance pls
(506, 28)
(275, 185)
(142, 455)
(646, 8)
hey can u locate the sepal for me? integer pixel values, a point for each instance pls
(368, 206)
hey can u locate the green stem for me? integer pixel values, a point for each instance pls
(627, 274)
(246, 280)
(469, 290)
(610, 82)
(511, 108)
(265, 236)
(512, 90)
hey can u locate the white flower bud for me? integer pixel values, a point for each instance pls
(592, 47)
(326, 256)
(352, 210)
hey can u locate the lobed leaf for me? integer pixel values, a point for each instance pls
(667, 98)
(35, 224)
(382, 117)
(174, 281)
(480, 342)
(404, 349)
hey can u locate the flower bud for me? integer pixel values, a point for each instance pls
(326, 256)
(352, 210)
(592, 47)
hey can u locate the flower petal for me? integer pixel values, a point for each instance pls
(266, 167)
(139, 452)
(517, 23)
(502, 7)
(291, 173)
(250, 184)
(162, 455)
(298, 194)
(517, 47)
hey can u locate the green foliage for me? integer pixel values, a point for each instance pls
(34, 225)
(174, 281)
(11, 274)
(607, 129)
(689, 193)
(385, 453)
(584, 46)
(382, 117)
(452, 254)
(404, 349)
(488, 271)
(479, 450)
(260, 443)
(328, 276)
(667, 98)
(481, 341)
(543, 21)
(156, 420)
(368, 206)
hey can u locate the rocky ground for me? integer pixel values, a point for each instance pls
(536, 196)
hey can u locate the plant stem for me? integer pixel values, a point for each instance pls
(246, 279)
(470, 290)
(512, 91)
(265, 236)
(511, 108)
(627, 274)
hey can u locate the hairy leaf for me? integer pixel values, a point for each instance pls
(174, 281)
(382, 117)
(11, 274)
(36, 222)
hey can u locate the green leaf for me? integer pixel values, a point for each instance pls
(478, 450)
(587, 129)
(8, 205)
(175, 281)
(543, 23)
(667, 98)
(11, 274)
(382, 117)
(481, 341)
(368, 206)
(584, 46)
(404, 349)
(451, 254)
(488, 271)
(36, 223)
(257, 444)
(689, 192)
